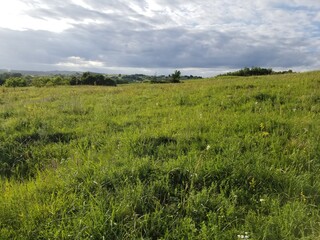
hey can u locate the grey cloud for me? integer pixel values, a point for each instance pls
(175, 48)
(125, 37)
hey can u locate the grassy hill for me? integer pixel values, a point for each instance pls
(220, 158)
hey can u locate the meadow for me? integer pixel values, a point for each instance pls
(222, 158)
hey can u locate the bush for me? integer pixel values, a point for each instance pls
(54, 81)
(15, 82)
(39, 81)
(6, 75)
(49, 81)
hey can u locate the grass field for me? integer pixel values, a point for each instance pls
(223, 158)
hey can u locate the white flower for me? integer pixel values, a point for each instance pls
(245, 236)
(208, 147)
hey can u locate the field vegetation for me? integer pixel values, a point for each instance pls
(222, 158)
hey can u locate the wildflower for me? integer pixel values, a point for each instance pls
(245, 236)
(208, 147)
(262, 200)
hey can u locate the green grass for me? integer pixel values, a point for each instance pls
(206, 159)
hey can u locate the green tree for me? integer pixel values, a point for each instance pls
(4, 76)
(15, 82)
(89, 78)
(40, 81)
(175, 77)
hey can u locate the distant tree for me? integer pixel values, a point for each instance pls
(89, 78)
(15, 82)
(6, 75)
(175, 77)
(98, 79)
(109, 82)
(47, 81)
(254, 71)
(74, 80)
(40, 81)
(57, 80)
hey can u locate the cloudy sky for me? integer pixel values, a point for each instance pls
(199, 37)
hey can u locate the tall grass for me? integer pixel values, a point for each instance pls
(219, 158)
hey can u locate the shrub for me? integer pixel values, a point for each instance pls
(49, 81)
(54, 81)
(40, 81)
(15, 82)
(6, 75)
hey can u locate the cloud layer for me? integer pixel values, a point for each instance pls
(203, 37)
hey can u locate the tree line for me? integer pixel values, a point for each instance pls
(10, 79)
(87, 78)
(254, 71)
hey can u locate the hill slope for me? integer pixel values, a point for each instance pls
(207, 159)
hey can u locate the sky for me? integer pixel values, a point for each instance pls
(155, 37)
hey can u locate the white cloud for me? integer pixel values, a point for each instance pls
(12, 16)
(82, 3)
(17, 15)
(78, 63)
